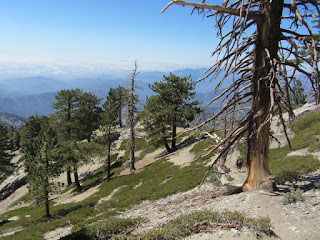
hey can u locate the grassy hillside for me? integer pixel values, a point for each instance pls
(286, 167)
(96, 215)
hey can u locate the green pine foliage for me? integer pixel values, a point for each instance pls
(297, 96)
(122, 100)
(5, 166)
(40, 160)
(66, 105)
(77, 114)
(72, 156)
(87, 115)
(13, 138)
(108, 122)
(29, 133)
(171, 107)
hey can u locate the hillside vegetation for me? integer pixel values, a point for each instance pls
(95, 215)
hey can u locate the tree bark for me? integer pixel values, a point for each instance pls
(174, 135)
(47, 201)
(76, 179)
(47, 185)
(132, 147)
(268, 37)
(169, 150)
(120, 107)
(287, 97)
(132, 120)
(69, 181)
(109, 159)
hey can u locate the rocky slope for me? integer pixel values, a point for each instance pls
(295, 221)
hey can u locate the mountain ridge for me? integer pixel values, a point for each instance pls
(35, 95)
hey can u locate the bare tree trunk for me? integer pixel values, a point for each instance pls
(317, 88)
(46, 187)
(174, 135)
(287, 97)
(169, 150)
(131, 107)
(109, 159)
(76, 179)
(120, 107)
(47, 201)
(120, 116)
(268, 36)
(69, 181)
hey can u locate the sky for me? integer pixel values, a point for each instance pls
(74, 37)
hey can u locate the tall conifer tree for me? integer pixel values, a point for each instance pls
(66, 105)
(5, 166)
(108, 122)
(170, 108)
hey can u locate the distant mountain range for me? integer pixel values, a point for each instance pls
(31, 95)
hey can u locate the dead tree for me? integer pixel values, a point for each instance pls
(131, 116)
(250, 51)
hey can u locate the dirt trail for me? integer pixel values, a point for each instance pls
(296, 221)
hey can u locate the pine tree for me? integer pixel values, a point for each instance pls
(170, 108)
(67, 104)
(122, 96)
(5, 166)
(29, 131)
(87, 115)
(297, 95)
(69, 153)
(14, 138)
(39, 159)
(108, 122)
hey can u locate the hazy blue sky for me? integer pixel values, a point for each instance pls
(77, 36)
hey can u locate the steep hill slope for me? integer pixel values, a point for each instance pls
(164, 187)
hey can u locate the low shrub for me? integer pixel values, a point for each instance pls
(190, 224)
(103, 229)
(295, 195)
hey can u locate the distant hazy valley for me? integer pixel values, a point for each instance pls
(35, 95)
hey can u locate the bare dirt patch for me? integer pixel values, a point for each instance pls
(73, 197)
(295, 221)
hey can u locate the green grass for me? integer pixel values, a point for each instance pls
(158, 180)
(141, 144)
(37, 224)
(288, 168)
(200, 148)
(152, 188)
